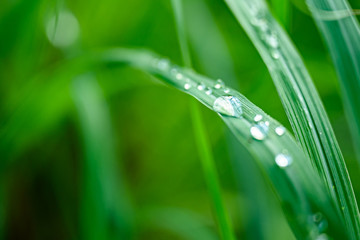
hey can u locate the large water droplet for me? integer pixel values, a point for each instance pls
(219, 84)
(283, 160)
(259, 131)
(228, 105)
(280, 130)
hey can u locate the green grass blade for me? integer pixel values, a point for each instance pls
(203, 145)
(217, 62)
(299, 188)
(210, 173)
(104, 199)
(302, 104)
(341, 32)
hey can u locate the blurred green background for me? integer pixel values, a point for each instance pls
(98, 151)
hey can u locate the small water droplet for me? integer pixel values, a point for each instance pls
(283, 160)
(174, 71)
(201, 87)
(280, 130)
(267, 123)
(275, 54)
(219, 84)
(259, 131)
(228, 105)
(179, 76)
(260, 23)
(187, 86)
(163, 64)
(208, 91)
(272, 41)
(226, 90)
(258, 118)
(317, 217)
(322, 236)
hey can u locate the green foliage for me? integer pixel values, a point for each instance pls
(67, 97)
(302, 104)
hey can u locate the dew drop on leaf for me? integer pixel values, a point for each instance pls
(258, 118)
(280, 130)
(187, 86)
(283, 160)
(201, 87)
(219, 84)
(228, 105)
(259, 131)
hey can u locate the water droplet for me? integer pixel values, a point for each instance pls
(163, 64)
(322, 236)
(226, 90)
(317, 217)
(228, 105)
(201, 87)
(275, 54)
(187, 86)
(283, 160)
(179, 76)
(280, 130)
(219, 84)
(174, 71)
(267, 123)
(62, 30)
(272, 41)
(208, 91)
(258, 118)
(260, 23)
(259, 131)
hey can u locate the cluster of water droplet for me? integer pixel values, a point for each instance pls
(226, 105)
(260, 131)
(261, 24)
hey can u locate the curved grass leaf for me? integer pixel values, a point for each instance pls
(302, 104)
(299, 188)
(341, 32)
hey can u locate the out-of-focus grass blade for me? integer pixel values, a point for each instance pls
(181, 222)
(217, 62)
(203, 145)
(104, 199)
(302, 104)
(341, 32)
(299, 188)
